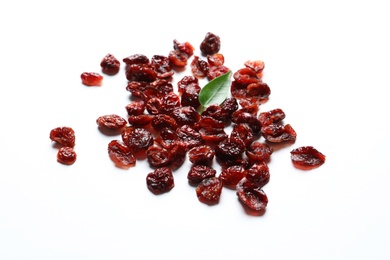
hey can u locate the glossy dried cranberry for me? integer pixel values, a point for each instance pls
(216, 71)
(229, 149)
(121, 154)
(199, 172)
(275, 133)
(137, 139)
(140, 72)
(178, 152)
(246, 76)
(161, 121)
(162, 65)
(65, 136)
(211, 44)
(178, 58)
(160, 180)
(258, 173)
(135, 108)
(213, 135)
(189, 136)
(251, 195)
(185, 115)
(66, 155)
(140, 121)
(110, 64)
(307, 156)
(256, 65)
(167, 138)
(158, 156)
(185, 47)
(209, 190)
(169, 102)
(199, 67)
(91, 79)
(136, 59)
(231, 175)
(216, 59)
(259, 152)
(240, 116)
(243, 132)
(113, 122)
(229, 106)
(203, 154)
(272, 116)
(190, 96)
(186, 81)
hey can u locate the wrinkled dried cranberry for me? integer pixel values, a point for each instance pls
(275, 133)
(113, 122)
(216, 59)
(307, 156)
(215, 111)
(272, 116)
(158, 156)
(169, 102)
(185, 47)
(199, 67)
(161, 121)
(213, 135)
(211, 44)
(178, 152)
(178, 58)
(66, 155)
(110, 64)
(229, 106)
(230, 176)
(91, 79)
(190, 96)
(199, 172)
(186, 81)
(162, 65)
(216, 71)
(137, 139)
(189, 136)
(136, 59)
(240, 116)
(140, 72)
(251, 195)
(256, 65)
(140, 121)
(135, 108)
(167, 138)
(160, 180)
(121, 154)
(185, 115)
(259, 152)
(258, 173)
(243, 132)
(65, 136)
(203, 154)
(246, 76)
(209, 190)
(209, 122)
(229, 149)
(162, 86)
(153, 106)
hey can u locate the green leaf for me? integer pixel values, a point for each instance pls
(216, 91)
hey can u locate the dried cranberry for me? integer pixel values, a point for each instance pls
(178, 152)
(272, 116)
(190, 96)
(229, 149)
(246, 76)
(256, 65)
(160, 180)
(186, 81)
(91, 78)
(213, 135)
(216, 71)
(209, 190)
(178, 58)
(251, 195)
(65, 136)
(278, 133)
(66, 155)
(135, 108)
(200, 172)
(215, 111)
(307, 156)
(199, 67)
(211, 44)
(243, 132)
(110, 65)
(216, 59)
(229, 106)
(203, 154)
(185, 115)
(240, 116)
(259, 152)
(140, 121)
(230, 176)
(158, 156)
(189, 136)
(167, 138)
(161, 121)
(136, 59)
(153, 106)
(185, 47)
(140, 72)
(258, 173)
(162, 65)
(113, 122)
(169, 102)
(121, 154)
(137, 139)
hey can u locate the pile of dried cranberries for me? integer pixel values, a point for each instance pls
(164, 124)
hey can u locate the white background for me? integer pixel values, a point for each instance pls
(327, 63)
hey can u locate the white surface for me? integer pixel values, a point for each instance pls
(327, 66)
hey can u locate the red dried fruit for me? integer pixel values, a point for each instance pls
(178, 152)
(158, 156)
(121, 154)
(161, 121)
(199, 172)
(272, 116)
(240, 116)
(307, 156)
(162, 65)
(66, 155)
(211, 44)
(256, 65)
(135, 108)
(251, 195)
(136, 59)
(258, 173)
(140, 121)
(185, 47)
(275, 133)
(243, 132)
(140, 72)
(216, 59)
(209, 190)
(160, 180)
(110, 65)
(178, 58)
(113, 122)
(186, 81)
(167, 138)
(213, 135)
(169, 102)
(185, 115)
(229, 149)
(190, 95)
(231, 175)
(65, 136)
(199, 67)
(216, 71)
(137, 139)
(229, 106)
(189, 136)
(203, 154)
(259, 152)
(91, 79)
